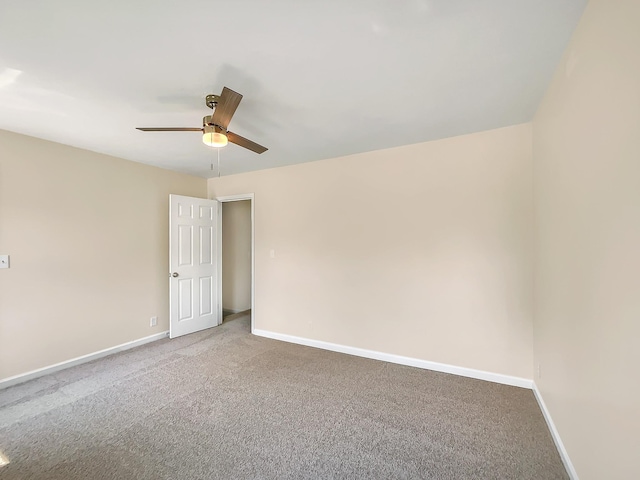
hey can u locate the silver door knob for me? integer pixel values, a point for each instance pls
(174, 274)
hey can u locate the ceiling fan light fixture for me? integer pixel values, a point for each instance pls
(213, 138)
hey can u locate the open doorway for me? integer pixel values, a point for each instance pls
(237, 258)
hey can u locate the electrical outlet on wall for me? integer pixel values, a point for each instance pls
(153, 322)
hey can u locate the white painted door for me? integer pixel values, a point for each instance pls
(193, 260)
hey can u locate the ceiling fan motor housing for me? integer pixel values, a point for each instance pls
(208, 122)
(212, 100)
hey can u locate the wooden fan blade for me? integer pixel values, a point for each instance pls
(243, 142)
(227, 105)
(169, 129)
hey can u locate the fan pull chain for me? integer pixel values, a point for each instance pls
(218, 163)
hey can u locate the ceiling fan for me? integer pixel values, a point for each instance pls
(214, 127)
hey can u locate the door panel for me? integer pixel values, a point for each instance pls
(206, 297)
(185, 297)
(206, 240)
(193, 262)
(185, 245)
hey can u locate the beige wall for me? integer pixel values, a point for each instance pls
(236, 255)
(587, 191)
(88, 239)
(423, 250)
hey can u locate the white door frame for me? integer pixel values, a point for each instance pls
(237, 198)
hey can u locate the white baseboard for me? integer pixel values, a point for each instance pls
(411, 362)
(8, 382)
(564, 455)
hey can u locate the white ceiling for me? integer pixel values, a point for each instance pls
(320, 79)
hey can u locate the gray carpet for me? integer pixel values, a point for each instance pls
(223, 404)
